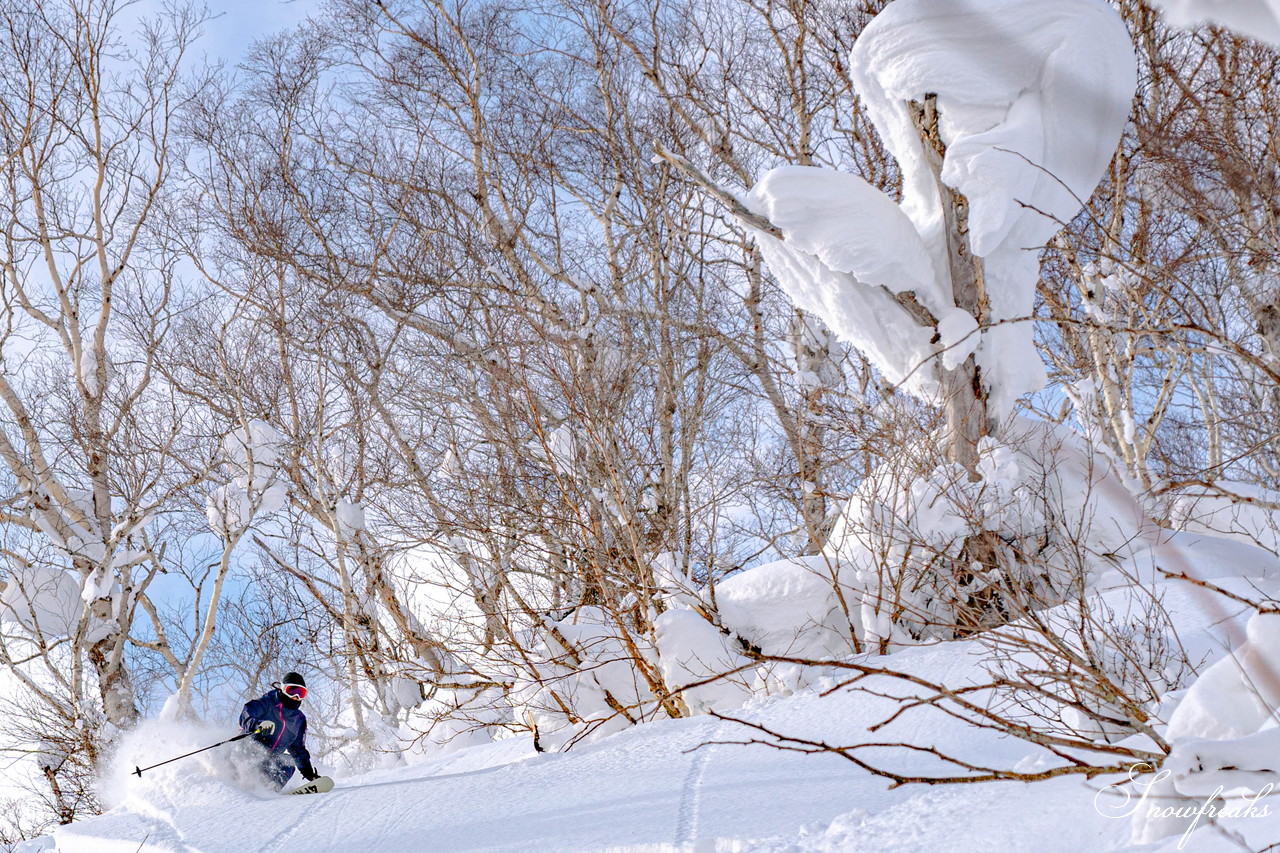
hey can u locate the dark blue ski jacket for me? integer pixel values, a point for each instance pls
(291, 729)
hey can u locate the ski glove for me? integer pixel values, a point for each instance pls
(266, 727)
(310, 774)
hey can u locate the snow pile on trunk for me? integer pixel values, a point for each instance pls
(1059, 510)
(350, 519)
(71, 523)
(1033, 97)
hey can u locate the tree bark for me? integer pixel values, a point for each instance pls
(968, 419)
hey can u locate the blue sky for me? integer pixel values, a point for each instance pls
(239, 22)
(235, 24)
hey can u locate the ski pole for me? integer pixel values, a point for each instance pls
(137, 771)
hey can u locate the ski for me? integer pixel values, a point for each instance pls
(319, 785)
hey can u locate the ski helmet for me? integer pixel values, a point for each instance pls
(294, 686)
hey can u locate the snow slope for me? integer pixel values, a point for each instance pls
(651, 788)
(638, 790)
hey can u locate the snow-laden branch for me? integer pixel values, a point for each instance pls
(1031, 99)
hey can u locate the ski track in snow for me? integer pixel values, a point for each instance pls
(691, 790)
(281, 838)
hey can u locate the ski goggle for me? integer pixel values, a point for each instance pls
(294, 691)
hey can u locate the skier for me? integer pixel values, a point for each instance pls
(278, 724)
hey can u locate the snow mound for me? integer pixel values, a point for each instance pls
(788, 608)
(1258, 19)
(700, 661)
(1223, 733)
(1061, 512)
(1234, 510)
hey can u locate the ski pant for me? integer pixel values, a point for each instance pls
(276, 769)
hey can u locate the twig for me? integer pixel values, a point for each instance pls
(719, 193)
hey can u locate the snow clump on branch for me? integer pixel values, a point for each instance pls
(1032, 98)
(255, 452)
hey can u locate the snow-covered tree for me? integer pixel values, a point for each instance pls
(92, 446)
(997, 148)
